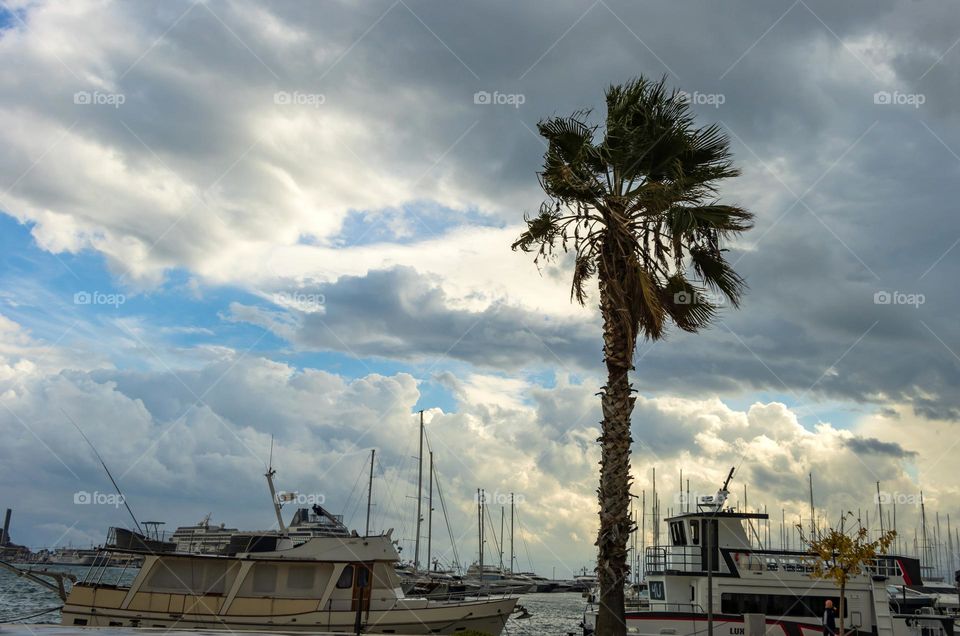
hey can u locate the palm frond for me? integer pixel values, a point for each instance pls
(714, 270)
(638, 205)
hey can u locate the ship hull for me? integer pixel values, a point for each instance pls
(690, 624)
(417, 617)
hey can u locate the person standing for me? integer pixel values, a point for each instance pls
(829, 620)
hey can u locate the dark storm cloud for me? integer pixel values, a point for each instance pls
(399, 313)
(853, 198)
(877, 447)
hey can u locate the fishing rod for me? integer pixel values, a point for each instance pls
(109, 474)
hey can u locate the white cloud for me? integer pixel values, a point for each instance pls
(178, 457)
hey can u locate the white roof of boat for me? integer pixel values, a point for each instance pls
(339, 549)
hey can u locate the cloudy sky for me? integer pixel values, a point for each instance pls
(226, 221)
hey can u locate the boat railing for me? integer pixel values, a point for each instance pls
(663, 606)
(673, 559)
(348, 604)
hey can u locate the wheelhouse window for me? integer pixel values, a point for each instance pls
(346, 578)
(677, 533)
(695, 532)
(363, 577)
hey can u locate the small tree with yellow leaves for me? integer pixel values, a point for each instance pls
(843, 554)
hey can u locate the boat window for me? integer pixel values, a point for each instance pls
(695, 532)
(264, 578)
(182, 576)
(214, 578)
(775, 604)
(346, 578)
(301, 577)
(677, 533)
(363, 577)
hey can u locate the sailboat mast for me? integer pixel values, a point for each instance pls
(511, 532)
(950, 567)
(480, 528)
(923, 526)
(501, 538)
(416, 544)
(813, 515)
(653, 518)
(880, 507)
(430, 516)
(643, 523)
(373, 454)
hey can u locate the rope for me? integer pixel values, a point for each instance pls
(523, 537)
(23, 618)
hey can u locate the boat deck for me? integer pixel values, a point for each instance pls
(20, 629)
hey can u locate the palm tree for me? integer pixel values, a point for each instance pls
(636, 204)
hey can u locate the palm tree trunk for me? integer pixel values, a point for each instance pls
(614, 493)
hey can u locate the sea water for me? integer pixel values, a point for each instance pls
(550, 614)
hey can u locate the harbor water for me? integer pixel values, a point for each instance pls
(550, 614)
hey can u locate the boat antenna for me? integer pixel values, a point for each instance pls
(104, 464)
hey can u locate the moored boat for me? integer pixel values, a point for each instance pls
(727, 572)
(323, 584)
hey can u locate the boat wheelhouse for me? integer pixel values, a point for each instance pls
(332, 584)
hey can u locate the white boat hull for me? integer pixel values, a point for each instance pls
(426, 617)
